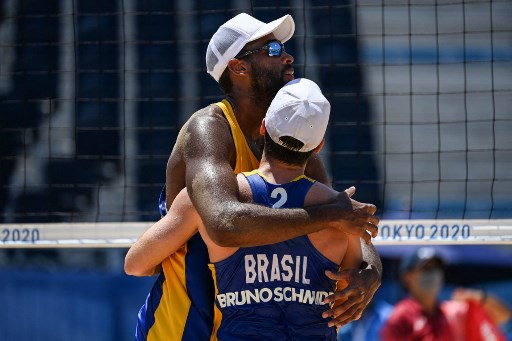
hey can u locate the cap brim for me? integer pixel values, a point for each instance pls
(282, 28)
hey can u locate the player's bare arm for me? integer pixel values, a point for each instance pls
(371, 276)
(362, 285)
(213, 189)
(315, 169)
(163, 238)
(360, 273)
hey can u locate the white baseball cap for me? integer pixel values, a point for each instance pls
(301, 111)
(234, 34)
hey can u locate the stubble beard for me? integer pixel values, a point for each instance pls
(266, 83)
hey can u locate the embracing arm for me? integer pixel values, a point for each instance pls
(365, 274)
(163, 238)
(213, 189)
(361, 284)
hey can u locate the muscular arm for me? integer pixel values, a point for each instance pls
(212, 186)
(365, 275)
(163, 238)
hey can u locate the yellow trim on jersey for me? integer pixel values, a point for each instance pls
(304, 177)
(172, 312)
(169, 323)
(257, 171)
(245, 159)
(217, 315)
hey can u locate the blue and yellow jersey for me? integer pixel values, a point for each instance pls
(275, 292)
(180, 306)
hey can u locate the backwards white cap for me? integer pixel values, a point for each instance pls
(233, 35)
(301, 111)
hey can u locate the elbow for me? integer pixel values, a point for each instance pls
(131, 268)
(228, 240)
(224, 232)
(137, 272)
(223, 235)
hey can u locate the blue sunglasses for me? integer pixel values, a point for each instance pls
(275, 49)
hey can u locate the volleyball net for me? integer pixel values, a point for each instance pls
(93, 94)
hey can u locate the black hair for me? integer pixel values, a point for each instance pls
(288, 152)
(225, 83)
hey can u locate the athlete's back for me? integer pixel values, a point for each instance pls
(276, 291)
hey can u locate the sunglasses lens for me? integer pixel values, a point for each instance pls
(274, 49)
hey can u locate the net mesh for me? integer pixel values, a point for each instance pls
(92, 96)
(93, 93)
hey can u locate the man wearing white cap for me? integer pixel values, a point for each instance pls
(247, 58)
(275, 291)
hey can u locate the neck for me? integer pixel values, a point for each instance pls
(279, 172)
(248, 112)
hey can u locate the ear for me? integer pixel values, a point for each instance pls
(262, 128)
(320, 146)
(236, 66)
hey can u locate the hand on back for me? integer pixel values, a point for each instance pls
(359, 218)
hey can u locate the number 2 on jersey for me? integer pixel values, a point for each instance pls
(281, 193)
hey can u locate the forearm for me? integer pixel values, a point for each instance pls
(163, 238)
(243, 224)
(371, 260)
(137, 262)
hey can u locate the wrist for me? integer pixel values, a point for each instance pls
(371, 274)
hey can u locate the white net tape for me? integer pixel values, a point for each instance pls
(123, 234)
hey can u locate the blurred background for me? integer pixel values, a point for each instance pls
(93, 94)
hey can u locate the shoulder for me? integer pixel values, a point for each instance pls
(206, 130)
(320, 194)
(205, 120)
(244, 189)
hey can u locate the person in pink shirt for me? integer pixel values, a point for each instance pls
(422, 317)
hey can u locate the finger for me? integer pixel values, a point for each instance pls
(372, 208)
(372, 229)
(340, 308)
(344, 297)
(366, 237)
(350, 310)
(358, 314)
(337, 296)
(338, 275)
(343, 318)
(350, 191)
(374, 220)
